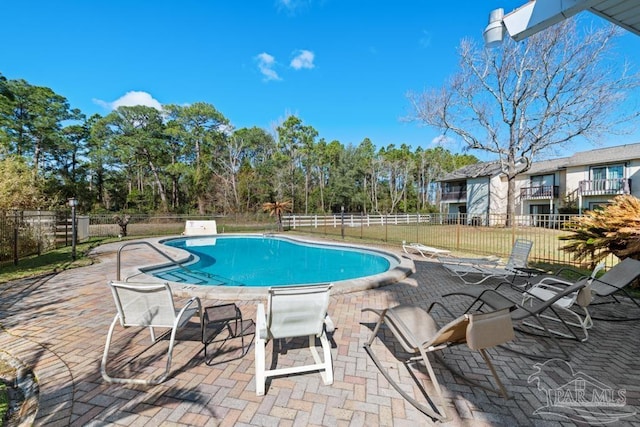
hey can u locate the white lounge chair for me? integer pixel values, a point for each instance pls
(475, 273)
(147, 305)
(425, 251)
(294, 311)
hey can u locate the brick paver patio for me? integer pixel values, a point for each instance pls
(56, 325)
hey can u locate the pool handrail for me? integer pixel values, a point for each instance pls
(173, 261)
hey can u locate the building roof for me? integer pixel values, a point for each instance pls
(606, 155)
(475, 170)
(599, 156)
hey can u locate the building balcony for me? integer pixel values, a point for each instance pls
(454, 195)
(597, 187)
(540, 192)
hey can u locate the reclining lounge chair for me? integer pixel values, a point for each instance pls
(473, 273)
(425, 251)
(615, 281)
(535, 309)
(418, 334)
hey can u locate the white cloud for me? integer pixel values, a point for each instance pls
(292, 6)
(303, 59)
(130, 99)
(266, 63)
(442, 140)
(425, 40)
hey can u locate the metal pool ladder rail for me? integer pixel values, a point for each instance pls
(174, 262)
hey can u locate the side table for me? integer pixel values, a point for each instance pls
(218, 317)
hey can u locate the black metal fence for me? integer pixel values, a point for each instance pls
(462, 233)
(24, 233)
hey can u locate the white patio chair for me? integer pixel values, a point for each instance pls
(294, 311)
(147, 305)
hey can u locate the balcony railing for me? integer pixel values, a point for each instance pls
(605, 186)
(454, 195)
(540, 192)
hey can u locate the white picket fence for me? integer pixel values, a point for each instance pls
(355, 220)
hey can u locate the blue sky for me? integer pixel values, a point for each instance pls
(344, 67)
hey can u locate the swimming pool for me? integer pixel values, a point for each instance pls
(264, 261)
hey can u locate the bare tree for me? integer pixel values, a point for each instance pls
(521, 100)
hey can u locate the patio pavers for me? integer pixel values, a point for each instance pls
(57, 325)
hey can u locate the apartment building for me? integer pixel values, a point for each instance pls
(583, 181)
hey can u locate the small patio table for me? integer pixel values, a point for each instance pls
(216, 318)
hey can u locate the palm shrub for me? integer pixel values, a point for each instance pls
(277, 209)
(613, 229)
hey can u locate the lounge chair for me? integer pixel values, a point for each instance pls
(534, 309)
(546, 287)
(418, 334)
(615, 281)
(147, 305)
(475, 273)
(294, 311)
(425, 251)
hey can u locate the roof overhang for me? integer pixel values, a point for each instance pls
(536, 15)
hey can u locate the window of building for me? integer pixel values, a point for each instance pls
(607, 177)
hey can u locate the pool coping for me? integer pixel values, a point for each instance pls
(404, 269)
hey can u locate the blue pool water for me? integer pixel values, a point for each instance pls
(270, 261)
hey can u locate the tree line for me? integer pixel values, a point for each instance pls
(188, 159)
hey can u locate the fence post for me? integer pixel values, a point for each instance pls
(385, 218)
(15, 238)
(39, 232)
(458, 232)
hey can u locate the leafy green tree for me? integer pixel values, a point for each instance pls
(31, 119)
(294, 140)
(366, 165)
(255, 175)
(201, 128)
(135, 137)
(4, 88)
(21, 187)
(397, 168)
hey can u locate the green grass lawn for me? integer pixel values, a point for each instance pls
(50, 262)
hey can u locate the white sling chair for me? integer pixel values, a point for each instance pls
(147, 305)
(294, 311)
